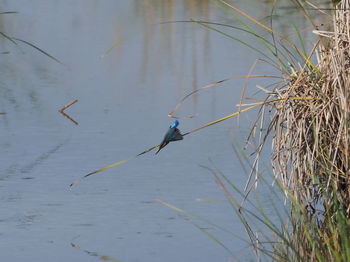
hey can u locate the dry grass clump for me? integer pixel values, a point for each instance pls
(311, 137)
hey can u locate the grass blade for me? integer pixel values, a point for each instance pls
(39, 49)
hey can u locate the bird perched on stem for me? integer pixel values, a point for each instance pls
(173, 134)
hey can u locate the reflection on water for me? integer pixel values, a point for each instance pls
(156, 12)
(124, 97)
(162, 21)
(95, 254)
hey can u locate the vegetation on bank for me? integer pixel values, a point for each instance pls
(311, 145)
(311, 148)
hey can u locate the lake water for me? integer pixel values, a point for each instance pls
(128, 70)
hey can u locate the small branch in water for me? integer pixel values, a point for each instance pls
(69, 118)
(68, 105)
(66, 115)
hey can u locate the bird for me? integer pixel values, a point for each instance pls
(173, 134)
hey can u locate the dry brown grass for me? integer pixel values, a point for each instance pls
(311, 138)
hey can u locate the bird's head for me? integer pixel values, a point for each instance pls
(175, 124)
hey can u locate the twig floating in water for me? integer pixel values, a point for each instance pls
(68, 105)
(69, 118)
(66, 115)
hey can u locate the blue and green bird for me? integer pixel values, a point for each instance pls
(173, 134)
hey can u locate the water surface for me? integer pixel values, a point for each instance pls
(124, 95)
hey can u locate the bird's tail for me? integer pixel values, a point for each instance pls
(161, 146)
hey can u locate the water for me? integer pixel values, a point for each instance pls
(124, 95)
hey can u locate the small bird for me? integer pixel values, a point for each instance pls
(173, 134)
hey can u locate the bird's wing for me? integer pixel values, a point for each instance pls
(177, 135)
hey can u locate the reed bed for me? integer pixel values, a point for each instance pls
(310, 144)
(311, 150)
(311, 138)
